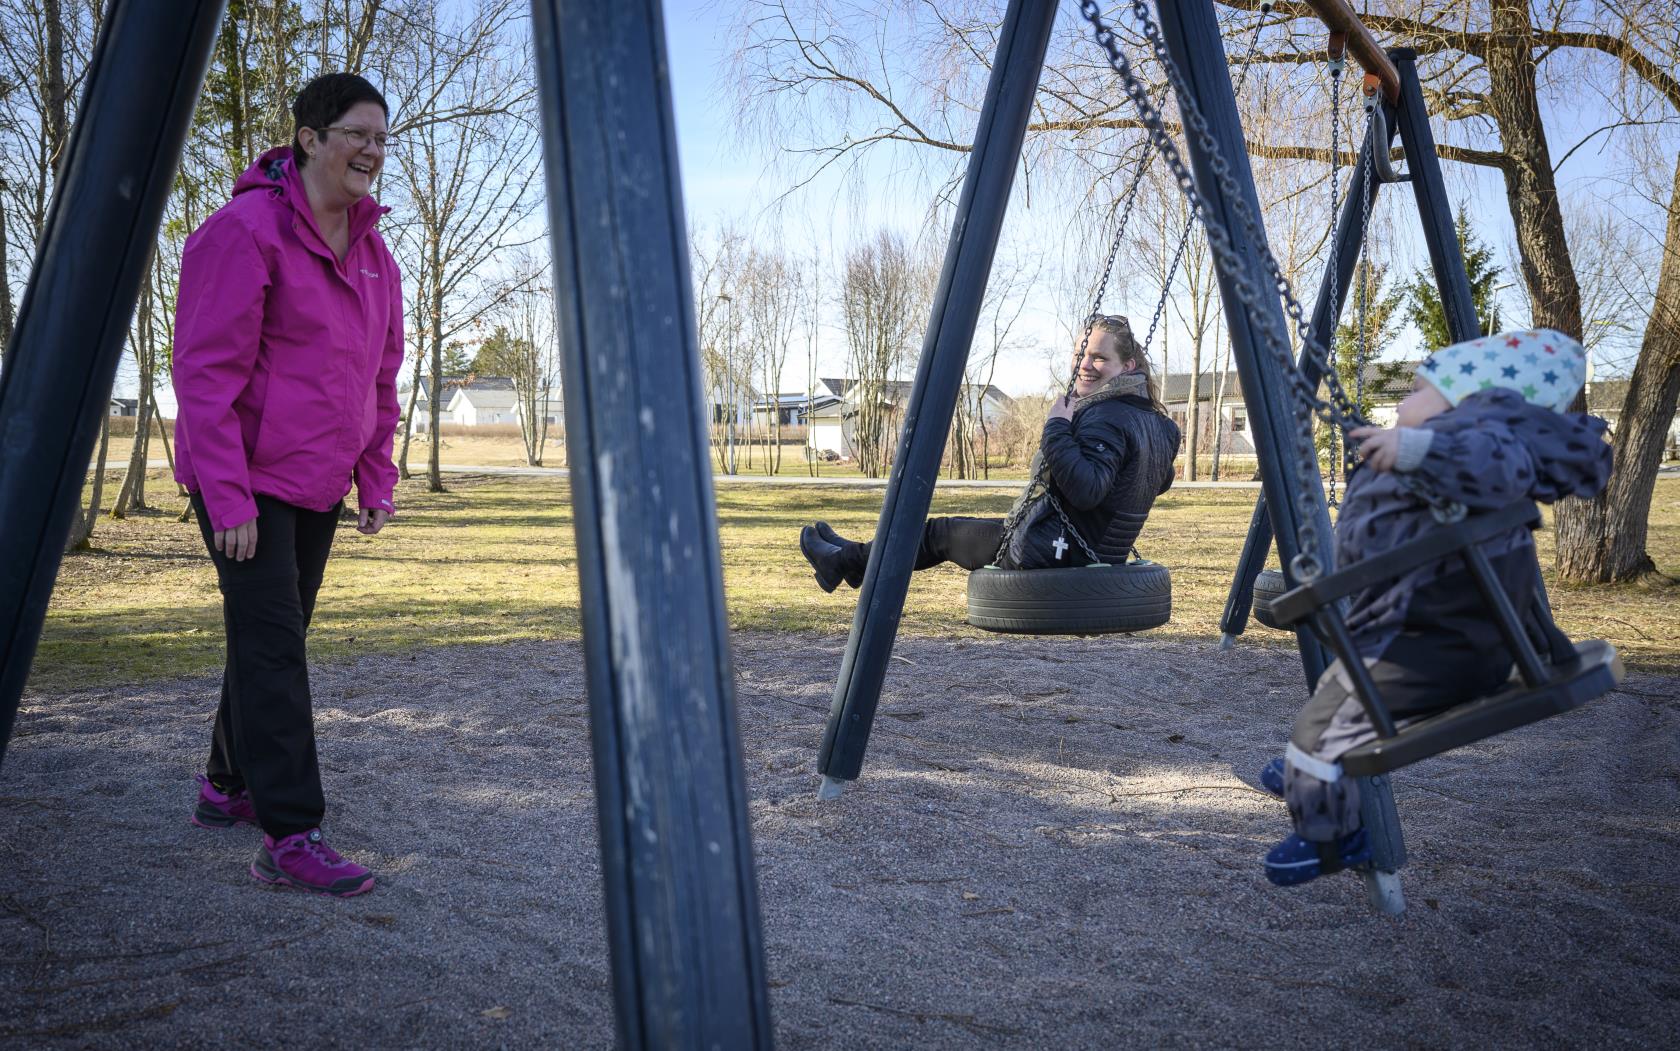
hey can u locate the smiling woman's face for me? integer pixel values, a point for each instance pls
(1098, 364)
(339, 162)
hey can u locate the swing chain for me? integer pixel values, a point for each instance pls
(1338, 62)
(1166, 286)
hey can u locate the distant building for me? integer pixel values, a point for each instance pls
(125, 407)
(1385, 387)
(477, 401)
(832, 413)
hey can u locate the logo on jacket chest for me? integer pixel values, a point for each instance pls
(365, 272)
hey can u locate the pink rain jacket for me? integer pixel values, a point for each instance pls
(286, 359)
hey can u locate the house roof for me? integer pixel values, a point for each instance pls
(451, 384)
(895, 391)
(478, 398)
(1606, 396)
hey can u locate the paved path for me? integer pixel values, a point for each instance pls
(759, 479)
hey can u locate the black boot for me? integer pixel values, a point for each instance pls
(854, 557)
(823, 556)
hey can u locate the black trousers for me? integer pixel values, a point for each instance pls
(969, 542)
(264, 736)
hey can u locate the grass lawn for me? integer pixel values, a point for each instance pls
(492, 561)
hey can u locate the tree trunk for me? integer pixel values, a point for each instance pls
(1603, 540)
(434, 469)
(126, 495)
(1222, 365)
(1529, 186)
(81, 529)
(58, 119)
(6, 310)
(408, 415)
(1193, 414)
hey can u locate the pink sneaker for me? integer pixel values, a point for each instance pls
(222, 810)
(306, 862)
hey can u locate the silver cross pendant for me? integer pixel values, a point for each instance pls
(1061, 546)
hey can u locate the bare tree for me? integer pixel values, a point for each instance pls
(773, 290)
(525, 348)
(466, 170)
(1005, 302)
(883, 304)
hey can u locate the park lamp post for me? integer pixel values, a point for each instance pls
(729, 381)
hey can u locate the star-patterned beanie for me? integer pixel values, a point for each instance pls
(1543, 365)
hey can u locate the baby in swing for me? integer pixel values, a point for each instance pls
(1486, 424)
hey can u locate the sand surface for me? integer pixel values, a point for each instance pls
(1054, 845)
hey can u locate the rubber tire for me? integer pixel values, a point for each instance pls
(1085, 600)
(1267, 587)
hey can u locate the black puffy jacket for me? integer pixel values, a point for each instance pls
(1107, 466)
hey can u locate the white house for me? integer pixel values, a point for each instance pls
(475, 401)
(830, 421)
(794, 410)
(484, 402)
(1384, 386)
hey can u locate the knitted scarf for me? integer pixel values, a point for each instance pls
(1034, 500)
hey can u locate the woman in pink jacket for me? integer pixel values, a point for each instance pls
(288, 341)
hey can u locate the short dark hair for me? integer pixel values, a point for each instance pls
(325, 99)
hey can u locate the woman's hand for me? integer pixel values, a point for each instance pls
(1062, 408)
(1379, 447)
(372, 521)
(238, 543)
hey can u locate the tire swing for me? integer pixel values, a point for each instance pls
(1098, 598)
(1269, 586)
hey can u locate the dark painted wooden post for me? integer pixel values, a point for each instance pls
(1446, 256)
(1327, 311)
(142, 82)
(1022, 42)
(682, 908)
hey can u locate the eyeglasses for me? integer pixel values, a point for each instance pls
(1115, 319)
(360, 137)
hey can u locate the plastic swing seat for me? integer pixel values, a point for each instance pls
(1545, 690)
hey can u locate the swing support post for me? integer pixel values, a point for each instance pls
(112, 183)
(1411, 121)
(1022, 43)
(1191, 33)
(1327, 311)
(682, 916)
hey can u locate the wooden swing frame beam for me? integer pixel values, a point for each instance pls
(1340, 18)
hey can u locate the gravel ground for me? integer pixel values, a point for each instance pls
(1054, 844)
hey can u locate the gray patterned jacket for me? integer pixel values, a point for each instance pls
(1491, 450)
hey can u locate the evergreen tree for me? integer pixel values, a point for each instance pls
(1424, 308)
(1383, 320)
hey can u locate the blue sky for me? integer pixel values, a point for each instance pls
(723, 182)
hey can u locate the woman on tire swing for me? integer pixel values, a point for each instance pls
(1105, 455)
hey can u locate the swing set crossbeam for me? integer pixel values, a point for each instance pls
(1340, 18)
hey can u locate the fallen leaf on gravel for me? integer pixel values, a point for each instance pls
(498, 1013)
(969, 895)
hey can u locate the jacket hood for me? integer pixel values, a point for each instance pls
(1571, 457)
(276, 174)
